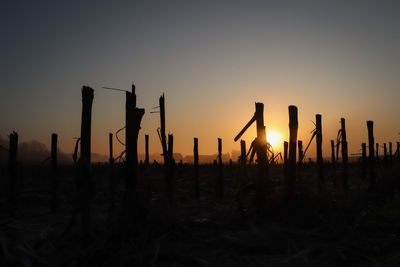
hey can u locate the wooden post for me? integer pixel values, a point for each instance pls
(371, 144)
(243, 158)
(333, 153)
(285, 159)
(320, 161)
(86, 185)
(345, 157)
(385, 157)
(54, 198)
(133, 118)
(261, 156)
(146, 161)
(293, 128)
(220, 186)
(390, 151)
(12, 173)
(377, 152)
(300, 145)
(196, 169)
(111, 174)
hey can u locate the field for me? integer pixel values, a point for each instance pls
(318, 226)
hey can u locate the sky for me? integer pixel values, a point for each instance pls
(212, 59)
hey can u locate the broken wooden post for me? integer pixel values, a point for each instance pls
(320, 161)
(146, 161)
(293, 128)
(345, 157)
(12, 173)
(371, 144)
(86, 185)
(196, 169)
(54, 197)
(259, 145)
(111, 174)
(220, 184)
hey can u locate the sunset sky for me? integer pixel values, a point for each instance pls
(212, 59)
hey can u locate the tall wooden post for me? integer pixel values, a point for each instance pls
(333, 152)
(196, 169)
(146, 161)
(261, 156)
(220, 186)
(54, 198)
(293, 128)
(133, 118)
(371, 144)
(111, 174)
(12, 173)
(320, 161)
(86, 185)
(345, 157)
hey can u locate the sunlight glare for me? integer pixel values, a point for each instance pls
(274, 138)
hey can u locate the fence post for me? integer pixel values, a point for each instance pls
(371, 144)
(220, 185)
(345, 157)
(320, 161)
(196, 169)
(54, 200)
(293, 128)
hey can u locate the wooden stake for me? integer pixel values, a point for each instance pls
(320, 161)
(196, 169)
(146, 161)
(345, 157)
(385, 157)
(293, 128)
(261, 156)
(86, 185)
(220, 166)
(390, 151)
(371, 143)
(54, 200)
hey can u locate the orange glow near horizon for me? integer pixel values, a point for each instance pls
(274, 138)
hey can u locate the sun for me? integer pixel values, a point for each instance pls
(274, 138)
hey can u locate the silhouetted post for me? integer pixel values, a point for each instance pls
(300, 146)
(293, 128)
(319, 148)
(111, 177)
(377, 152)
(12, 173)
(390, 151)
(85, 182)
(54, 198)
(220, 176)
(196, 169)
(243, 158)
(385, 157)
(371, 143)
(345, 157)
(262, 161)
(333, 153)
(364, 160)
(146, 161)
(162, 129)
(133, 118)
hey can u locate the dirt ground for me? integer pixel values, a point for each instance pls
(318, 227)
